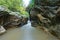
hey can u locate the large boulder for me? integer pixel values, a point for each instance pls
(14, 19)
(11, 19)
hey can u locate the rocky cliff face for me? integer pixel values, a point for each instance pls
(47, 2)
(8, 20)
(11, 19)
(46, 14)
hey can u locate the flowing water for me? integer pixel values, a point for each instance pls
(26, 32)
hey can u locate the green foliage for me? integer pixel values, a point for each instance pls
(31, 3)
(14, 5)
(25, 14)
(30, 6)
(11, 4)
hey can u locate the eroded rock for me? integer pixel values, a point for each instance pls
(46, 16)
(11, 19)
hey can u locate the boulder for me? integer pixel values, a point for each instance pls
(2, 29)
(15, 20)
(11, 19)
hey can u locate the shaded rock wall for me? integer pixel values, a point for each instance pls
(11, 20)
(47, 2)
(46, 14)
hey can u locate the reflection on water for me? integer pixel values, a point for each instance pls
(26, 33)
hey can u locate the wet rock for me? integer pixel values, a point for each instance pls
(2, 29)
(46, 16)
(47, 2)
(11, 19)
(15, 20)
